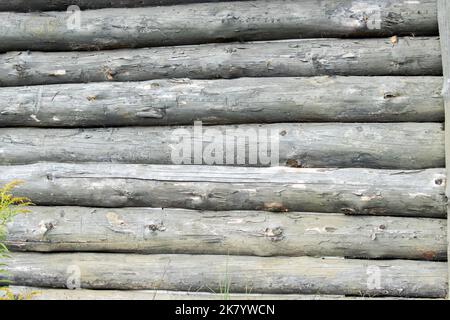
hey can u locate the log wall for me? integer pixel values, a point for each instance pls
(355, 206)
(248, 20)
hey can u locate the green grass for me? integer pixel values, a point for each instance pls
(10, 206)
(225, 284)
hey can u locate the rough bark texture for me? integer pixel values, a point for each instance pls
(147, 230)
(234, 237)
(352, 191)
(289, 58)
(33, 293)
(444, 28)
(248, 20)
(312, 145)
(299, 275)
(49, 5)
(244, 100)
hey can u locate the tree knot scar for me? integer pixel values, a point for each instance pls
(393, 40)
(114, 219)
(45, 226)
(348, 211)
(109, 74)
(274, 234)
(275, 207)
(153, 227)
(21, 70)
(294, 163)
(429, 255)
(230, 18)
(390, 95)
(230, 50)
(150, 112)
(57, 73)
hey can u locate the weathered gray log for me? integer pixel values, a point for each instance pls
(444, 30)
(352, 191)
(290, 58)
(299, 275)
(214, 22)
(310, 145)
(50, 5)
(33, 293)
(147, 230)
(244, 100)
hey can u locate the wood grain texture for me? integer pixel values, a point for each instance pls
(33, 293)
(444, 28)
(236, 101)
(299, 275)
(156, 231)
(312, 145)
(62, 5)
(417, 56)
(352, 191)
(225, 21)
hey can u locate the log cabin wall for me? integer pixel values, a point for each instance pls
(356, 206)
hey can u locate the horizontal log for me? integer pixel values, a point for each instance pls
(312, 145)
(147, 230)
(33, 293)
(352, 191)
(300, 275)
(214, 22)
(291, 58)
(57, 5)
(244, 100)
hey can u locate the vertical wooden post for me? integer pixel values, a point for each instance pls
(444, 28)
